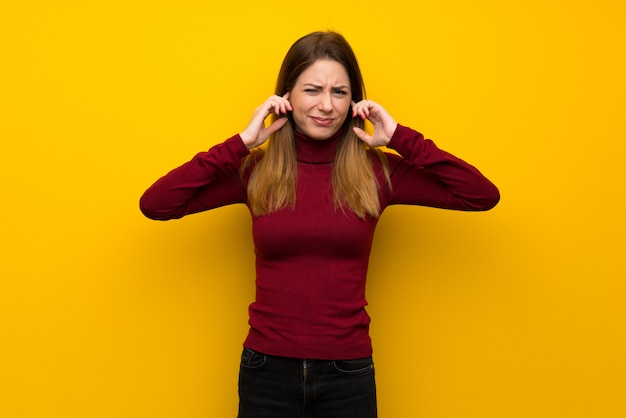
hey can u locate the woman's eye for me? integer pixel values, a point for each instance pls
(310, 91)
(340, 92)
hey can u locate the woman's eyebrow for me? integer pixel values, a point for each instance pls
(319, 86)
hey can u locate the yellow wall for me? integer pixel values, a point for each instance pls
(517, 312)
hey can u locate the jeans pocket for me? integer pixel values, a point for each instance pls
(354, 367)
(251, 359)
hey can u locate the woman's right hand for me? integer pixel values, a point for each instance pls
(256, 133)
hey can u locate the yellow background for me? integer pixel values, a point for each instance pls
(517, 312)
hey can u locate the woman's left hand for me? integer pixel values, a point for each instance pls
(384, 124)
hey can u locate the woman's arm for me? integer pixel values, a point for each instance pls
(209, 180)
(426, 175)
(429, 176)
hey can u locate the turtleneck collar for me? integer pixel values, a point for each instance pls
(317, 151)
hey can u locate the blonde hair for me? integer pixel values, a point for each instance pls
(272, 182)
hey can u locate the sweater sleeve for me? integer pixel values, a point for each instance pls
(208, 181)
(429, 176)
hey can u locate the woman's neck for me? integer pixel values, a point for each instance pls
(315, 150)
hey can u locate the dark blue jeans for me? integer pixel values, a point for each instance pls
(281, 387)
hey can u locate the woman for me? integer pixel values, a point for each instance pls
(315, 193)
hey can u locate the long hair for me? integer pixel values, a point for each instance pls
(272, 183)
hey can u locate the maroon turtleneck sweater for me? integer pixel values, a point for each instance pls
(311, 262)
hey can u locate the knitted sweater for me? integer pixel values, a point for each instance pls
(311, 261)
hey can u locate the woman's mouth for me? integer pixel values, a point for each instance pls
(322, 121)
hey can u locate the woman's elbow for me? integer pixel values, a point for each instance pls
(151, 210)
(490, 198)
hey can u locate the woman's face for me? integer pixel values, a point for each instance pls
(321, 99)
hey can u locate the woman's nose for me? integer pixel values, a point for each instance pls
(325, 103)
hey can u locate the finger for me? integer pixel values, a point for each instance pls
(364, 112)
(365, 109)
(275, 126)
(280, 105)
(363, 136)
(356, 110)
(268, 108)
(359, 108)
(286, 97)
(283, 107)
(286, 102)
(288, 106)
(269, 105)
(276, 107)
